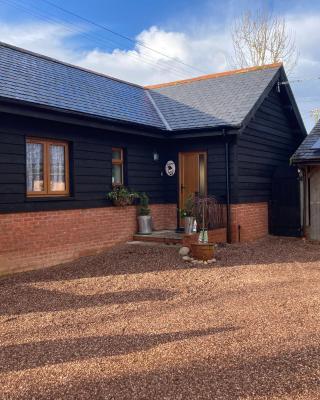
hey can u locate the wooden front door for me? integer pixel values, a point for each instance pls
(193, 175)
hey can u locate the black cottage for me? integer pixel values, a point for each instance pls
(68, 134)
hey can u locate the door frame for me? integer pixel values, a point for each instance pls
(198, 152)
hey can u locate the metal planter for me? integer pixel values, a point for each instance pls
(145, 224)
(188, 225)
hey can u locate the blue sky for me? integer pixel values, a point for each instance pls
(195, 32)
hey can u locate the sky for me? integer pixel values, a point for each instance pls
(187, 37)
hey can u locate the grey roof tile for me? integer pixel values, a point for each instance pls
(305, 153)
(210, 102)
(224, 100)
(36, 79)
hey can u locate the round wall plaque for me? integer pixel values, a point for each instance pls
(170, 168)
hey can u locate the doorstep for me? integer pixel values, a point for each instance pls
(165, 236)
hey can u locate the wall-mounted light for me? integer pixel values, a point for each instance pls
(156, 156)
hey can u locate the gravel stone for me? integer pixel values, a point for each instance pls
(137, 322)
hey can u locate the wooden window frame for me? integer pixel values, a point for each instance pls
(118, 162)
(46, 168)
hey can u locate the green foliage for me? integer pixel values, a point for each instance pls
(122, 196)
(188, 210)
(143, 208)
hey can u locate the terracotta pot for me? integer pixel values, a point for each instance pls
(202, 251)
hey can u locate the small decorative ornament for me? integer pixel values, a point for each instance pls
(170, 168)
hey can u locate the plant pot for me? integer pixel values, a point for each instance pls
(145, 224)
(202, 251)
(188, 225)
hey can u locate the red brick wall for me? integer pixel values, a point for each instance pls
(253, 221)
(164, 216)
(38, 239)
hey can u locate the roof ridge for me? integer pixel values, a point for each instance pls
(55, 60)
(215, 75)
(158, 111)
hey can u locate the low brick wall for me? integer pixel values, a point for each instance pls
(164, 216)
(40, 239)
(252, 218)
(248, 222)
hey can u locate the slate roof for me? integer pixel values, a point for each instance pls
(305, 153)
(41, 80)
(217, 100)
(210, 101)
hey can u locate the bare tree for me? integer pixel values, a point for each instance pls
(315, 113)
(260, 39)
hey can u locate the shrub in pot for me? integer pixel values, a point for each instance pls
(205, 208)
(186, 214)
(144, 217)
(122, 196)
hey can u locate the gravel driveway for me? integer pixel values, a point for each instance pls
(138, 323)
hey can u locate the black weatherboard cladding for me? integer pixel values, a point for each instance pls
(201, 111)
(90, 164)
(268, 142)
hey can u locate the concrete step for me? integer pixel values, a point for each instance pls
(165, 236)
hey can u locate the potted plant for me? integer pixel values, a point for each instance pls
(144, 217)
(122, 196)
(186, 214)
(205, 210)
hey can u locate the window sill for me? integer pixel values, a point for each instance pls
(48, 198)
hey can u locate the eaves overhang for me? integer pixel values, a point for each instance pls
(40, 111)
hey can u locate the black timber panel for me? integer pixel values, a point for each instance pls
(216, 179)
(90, 164)
(268, 142)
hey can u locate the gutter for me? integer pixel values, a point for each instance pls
(227, 164)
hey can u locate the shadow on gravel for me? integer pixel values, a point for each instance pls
(285, 375)
(121, 260)
(38, 354)
(131, 259)
(269, 251)
(26, 299)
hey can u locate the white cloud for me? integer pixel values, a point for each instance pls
(207, 53)
(206, 48)
(144, 66)
(48, 39)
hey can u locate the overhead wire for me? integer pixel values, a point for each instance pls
(75, 29)
(142, 44)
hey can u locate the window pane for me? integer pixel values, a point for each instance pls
(116, 154)
(57, 168)
(117, 174)
(35, 179)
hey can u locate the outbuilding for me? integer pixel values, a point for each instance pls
(68, 134)
(307, 158)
